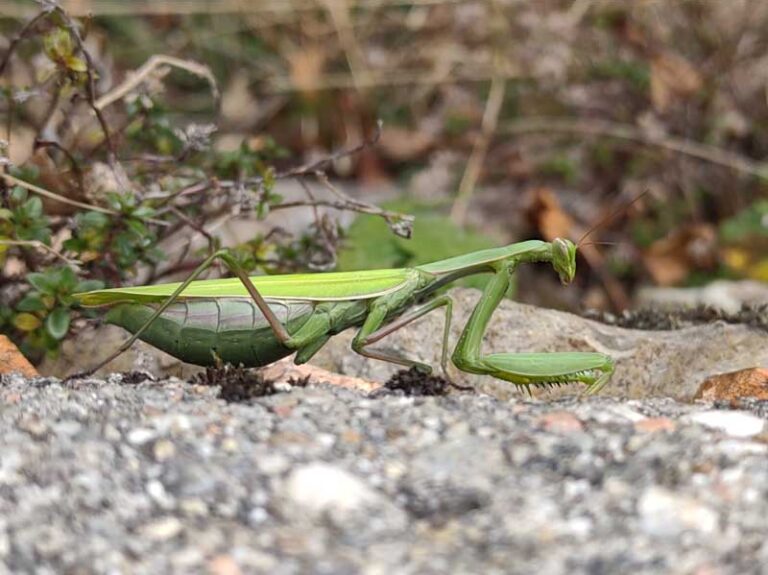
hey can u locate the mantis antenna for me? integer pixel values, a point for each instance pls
(610, 216)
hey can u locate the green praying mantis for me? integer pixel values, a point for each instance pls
(255, 321)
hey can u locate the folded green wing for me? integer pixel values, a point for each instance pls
(310, 287)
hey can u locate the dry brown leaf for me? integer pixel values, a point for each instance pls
(239, 107)
(12, 360)
(59, 179)
(403, 145)
(671, 259)
(548, 215)
(672, 77)
(751, 382)
(307, 68)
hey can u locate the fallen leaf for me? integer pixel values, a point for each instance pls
(12, 360)
(751, 382)
(671, 259)
(549, 217)
(306, 68)
(402, 145)
(672, 78)
(239, 107)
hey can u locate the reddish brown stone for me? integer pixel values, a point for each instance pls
(285, 369)
(11, 360)
(655, 424)
(751, 382)
(560, 422)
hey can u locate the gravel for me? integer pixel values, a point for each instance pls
(104, 477)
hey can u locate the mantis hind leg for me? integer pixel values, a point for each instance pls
(278, 328)
(374, 329)
(524, 369)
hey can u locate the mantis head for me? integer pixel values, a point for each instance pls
(564, 259)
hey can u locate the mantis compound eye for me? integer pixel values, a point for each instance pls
(564, 259)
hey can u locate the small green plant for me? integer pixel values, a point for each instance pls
(100, 193)
(44, 313)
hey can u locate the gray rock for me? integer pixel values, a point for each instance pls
(648, 363)
(726, 295)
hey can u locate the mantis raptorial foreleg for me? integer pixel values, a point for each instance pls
(373, 331)
(594, 369)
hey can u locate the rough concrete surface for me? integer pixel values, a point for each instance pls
(109, 477)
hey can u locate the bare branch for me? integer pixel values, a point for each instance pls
(59, 198)
(43, 247)
(605, 129)
(313, 167)
(158, 60)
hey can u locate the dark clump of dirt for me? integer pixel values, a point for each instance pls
(413, 382)
(136, 377)
(679, 318)
(236, 384)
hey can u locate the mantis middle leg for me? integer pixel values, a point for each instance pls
(374, 329)
(524, 369)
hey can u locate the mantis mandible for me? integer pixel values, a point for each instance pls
(256, 321)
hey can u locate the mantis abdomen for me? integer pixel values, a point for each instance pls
(210, 331)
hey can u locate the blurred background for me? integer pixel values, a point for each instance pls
(255, 124)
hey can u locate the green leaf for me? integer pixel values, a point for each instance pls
(88, 285)
(57, 323)
(66, 279)
(33, 208)
(26, 322)
(31, 302)
(58, 45)
(5, 214)
(143, 212)
(137, 227)
(42, 282)
(76, 64)
(18, 195)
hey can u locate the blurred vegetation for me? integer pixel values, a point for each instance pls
(542, 118)
(371, 245)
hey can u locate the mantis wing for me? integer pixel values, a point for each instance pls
(334, 286)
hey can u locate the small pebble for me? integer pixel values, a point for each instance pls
(162, 529)
(655, 424)
(561, 422)
(664, 513)
(318, 487)
(734, 423)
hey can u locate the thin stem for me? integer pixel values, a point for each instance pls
(605, 129)
(43, 247)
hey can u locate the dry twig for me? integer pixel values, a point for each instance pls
(605, 129)
(150, 66)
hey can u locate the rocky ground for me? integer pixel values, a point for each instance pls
(113, 476)
(117, 474)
